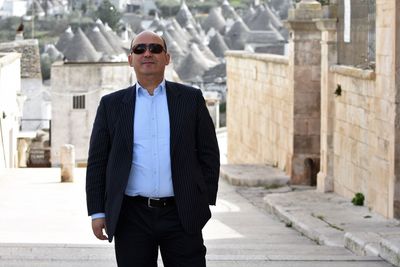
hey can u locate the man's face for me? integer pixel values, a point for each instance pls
(148, 64)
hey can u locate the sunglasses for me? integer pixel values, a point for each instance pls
(141, 48)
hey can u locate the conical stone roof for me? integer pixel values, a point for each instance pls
(64, 39)
(99, 42)
(53, 53)
(184, 16)
(263, 18)
(237, 35)
(180, 30)
(215, 20)
(202, 57)
(228, 11)
(191, 68)
(249, 15)
(281, 7)
(112, 38)
(206, 51)
(80, 49)
(218, 45)
(216, 73)
(178, 37)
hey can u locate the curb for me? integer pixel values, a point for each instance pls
(363, 243)
(306, 228)
(390, 251)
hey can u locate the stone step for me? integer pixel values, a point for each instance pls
(254, 175)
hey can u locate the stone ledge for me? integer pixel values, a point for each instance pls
(262, 57)
(7, 58)
(254, 175)
(390, 250)
(362, 243)
(353, 72)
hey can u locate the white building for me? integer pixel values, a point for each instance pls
(36, 107)
(76, 90)
(15, 8)
(10, 108)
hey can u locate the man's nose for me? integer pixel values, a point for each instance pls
(147, 53)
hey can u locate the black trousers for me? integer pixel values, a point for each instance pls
(142, 230)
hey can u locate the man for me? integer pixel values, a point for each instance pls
(153, 165)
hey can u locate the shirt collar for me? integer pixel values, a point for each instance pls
(160, 89)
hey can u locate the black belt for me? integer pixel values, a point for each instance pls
(153, 202)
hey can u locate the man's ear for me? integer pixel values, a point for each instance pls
(130, 60)
(168, 58)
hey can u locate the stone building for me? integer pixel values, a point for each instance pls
(10, 108)
(322, 122)
(76, 89)
(36, 107)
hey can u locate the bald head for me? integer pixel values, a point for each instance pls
(147, 34)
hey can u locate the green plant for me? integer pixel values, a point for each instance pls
(107, 12)
(338, 91)
(358, 199)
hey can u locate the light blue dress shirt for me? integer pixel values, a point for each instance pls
(150, 174)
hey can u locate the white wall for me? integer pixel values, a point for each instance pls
(10, 86)
(14, 8)
(74, 126)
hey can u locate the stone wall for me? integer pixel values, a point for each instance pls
(366, 124)
(360, 137)
(30, 60)
(74, 126)
(359, 108)
(259, 107)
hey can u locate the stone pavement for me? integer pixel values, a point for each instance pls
(326, 218)
(43, 223)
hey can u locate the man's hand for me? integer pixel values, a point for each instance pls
(98, 225)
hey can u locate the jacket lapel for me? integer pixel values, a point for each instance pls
(175, 110)
(127, 116)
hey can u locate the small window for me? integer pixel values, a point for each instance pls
(78, 102)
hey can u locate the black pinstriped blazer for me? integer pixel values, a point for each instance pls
(193, 147)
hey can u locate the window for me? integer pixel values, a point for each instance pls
(78, 102)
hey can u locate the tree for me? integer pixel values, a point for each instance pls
(107, 12)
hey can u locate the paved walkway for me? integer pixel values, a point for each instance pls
(43, 223)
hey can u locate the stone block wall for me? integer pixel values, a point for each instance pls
(260, 108)
(359, 122)
(356, 149)
(365, 127)
(30, 60)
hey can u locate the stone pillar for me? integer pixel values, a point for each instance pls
(304, 81)
(22, 149)
(328, 58)
(212, 102)
(67, 154)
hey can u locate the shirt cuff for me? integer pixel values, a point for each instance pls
(98, 216)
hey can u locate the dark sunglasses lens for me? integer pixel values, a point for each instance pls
(139, 49)
(155, 48)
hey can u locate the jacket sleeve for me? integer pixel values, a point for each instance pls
(97, 162)
(207, 149)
